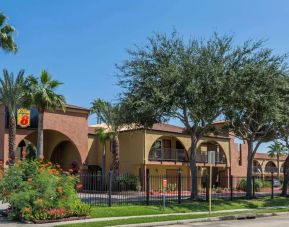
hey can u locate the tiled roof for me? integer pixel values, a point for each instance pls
(76, 107)
(266, 156)
(167, 128)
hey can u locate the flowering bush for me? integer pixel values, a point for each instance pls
(38, 191)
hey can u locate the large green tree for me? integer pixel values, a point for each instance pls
(110, 114)
(41, 93)
(6, 35)
(11, 89)
(170, 78)
(254, 97)
(282, 129)
(277, 149)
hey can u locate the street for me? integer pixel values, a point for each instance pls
(275, 221)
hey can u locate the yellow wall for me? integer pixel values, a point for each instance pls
(131, 151)
(95, 150)
(135, 146)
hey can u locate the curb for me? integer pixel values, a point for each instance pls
(222, 218)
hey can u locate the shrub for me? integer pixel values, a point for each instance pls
(38, 190)
(258, 184)
(128, 182)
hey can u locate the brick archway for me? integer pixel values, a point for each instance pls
(71, 124)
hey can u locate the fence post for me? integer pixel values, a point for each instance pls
(272, 185)
(179, 185)
(254, 189)
(231, 187)
(147, 189)
(207, 188)
(109, 187)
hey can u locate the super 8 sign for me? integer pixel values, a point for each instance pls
(23, 117)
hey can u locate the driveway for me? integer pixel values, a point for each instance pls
(275, 221)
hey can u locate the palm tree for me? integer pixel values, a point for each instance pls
(40, 93)
(277, 149)
(103, 135)
(110, 115)
(10, 96)
(6, 39)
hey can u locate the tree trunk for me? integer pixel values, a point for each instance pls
(12, 135)
(193, 167)
(286, 177)
(40, 135)
(249, 187)
(103, 162)
(115, 155)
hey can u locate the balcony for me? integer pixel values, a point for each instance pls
(168, 154)
(220, 158)
(271, 169)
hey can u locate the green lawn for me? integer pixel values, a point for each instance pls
(164, 218)
(133, 210)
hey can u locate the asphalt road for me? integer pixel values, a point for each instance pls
(276, 221)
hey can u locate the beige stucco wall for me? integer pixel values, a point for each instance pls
(131, 151)
(95, 150)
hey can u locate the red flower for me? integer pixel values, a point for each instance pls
(26, 210)
(59, 189)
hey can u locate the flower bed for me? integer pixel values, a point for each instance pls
(38, 191)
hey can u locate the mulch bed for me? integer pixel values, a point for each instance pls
(3, 213)
(58, 220)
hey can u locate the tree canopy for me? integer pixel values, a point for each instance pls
(6, 35)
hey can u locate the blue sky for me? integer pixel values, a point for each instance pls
(79, 42)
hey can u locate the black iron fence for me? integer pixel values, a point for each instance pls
(128, 189)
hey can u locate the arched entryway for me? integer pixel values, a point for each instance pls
(66, 155)
(58, 148)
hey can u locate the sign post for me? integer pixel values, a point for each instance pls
(211, 162)
(165, 185)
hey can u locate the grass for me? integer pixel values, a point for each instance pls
(164, 218)
(134, 210)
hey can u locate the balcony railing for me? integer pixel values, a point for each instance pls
(270, 169)
(168, 154)
(220, 158)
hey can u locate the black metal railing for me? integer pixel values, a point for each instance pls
(220, 158)
(168, 154)
(129, 189)
(271, 169)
